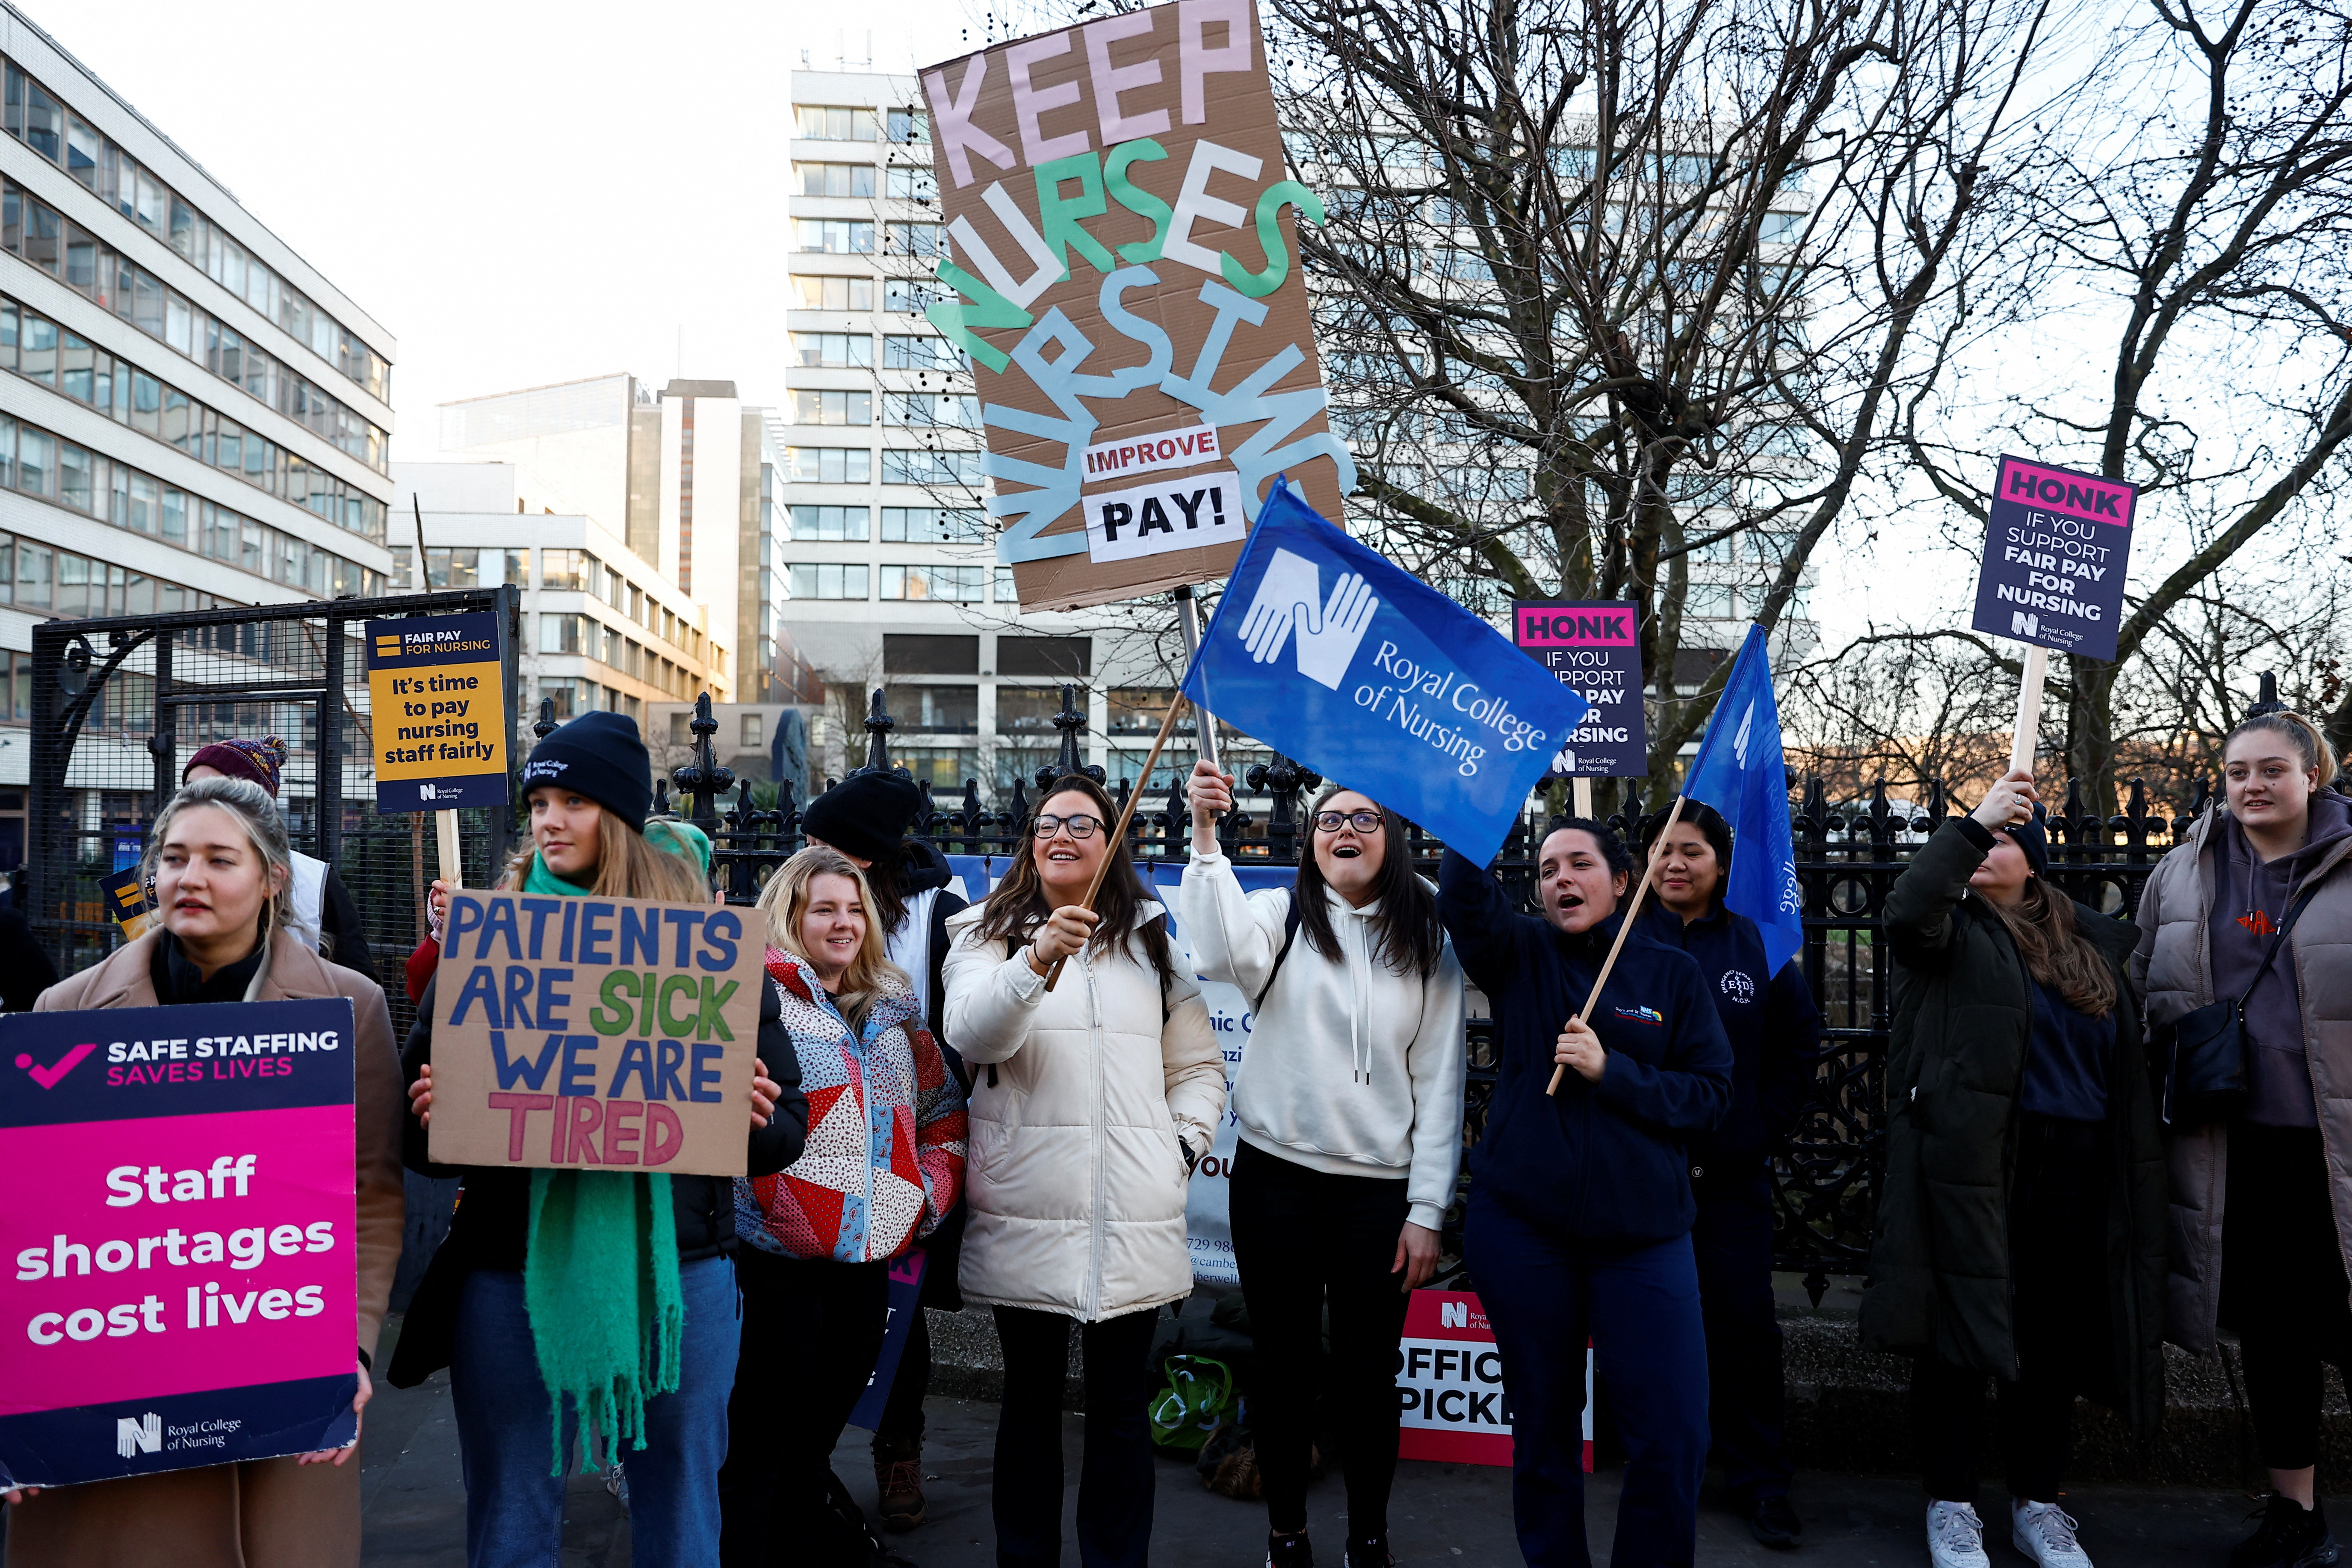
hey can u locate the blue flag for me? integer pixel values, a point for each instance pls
(1387, 685)
(1740, 772)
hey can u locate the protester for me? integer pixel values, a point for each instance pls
(220, 866)
(1775, 1033)
(866, 817)
(1097, 1097)
(883, 1166)
(2020, 1233)
(1349, 1111)
(2210, 924)
(1580, 1205)
(326, 917)
(510, 1303)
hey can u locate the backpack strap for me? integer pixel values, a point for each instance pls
(1290, 920)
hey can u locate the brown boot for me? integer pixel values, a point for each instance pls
(898, 1477)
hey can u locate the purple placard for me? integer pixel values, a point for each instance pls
(2056, 546)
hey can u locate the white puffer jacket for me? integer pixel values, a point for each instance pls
(1076, 1183)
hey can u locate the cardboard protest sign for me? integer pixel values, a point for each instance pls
(1592, 646)
(607, 1033)
(2056, 545)
(1121, 250)
(436, 686)
(179, 1253)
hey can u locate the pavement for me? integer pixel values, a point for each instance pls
(1458, 1516)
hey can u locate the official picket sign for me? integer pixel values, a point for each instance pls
(2056, 546)
(1593, 646)
(903, 1300)
(595, 1032)
(179, 1254)
(1452, 1407)
(436, 688)
(1390, 688)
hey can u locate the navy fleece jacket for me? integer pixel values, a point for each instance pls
(1774, 1028)
(1603, 1164)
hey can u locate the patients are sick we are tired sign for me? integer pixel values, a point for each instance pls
(1122, 270)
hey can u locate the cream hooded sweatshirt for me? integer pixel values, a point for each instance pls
(1352, 1068)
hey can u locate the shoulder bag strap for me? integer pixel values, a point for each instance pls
(1290, 920)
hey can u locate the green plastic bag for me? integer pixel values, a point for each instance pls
(1199, 1394)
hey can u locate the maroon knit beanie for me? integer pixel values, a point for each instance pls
(260, 761)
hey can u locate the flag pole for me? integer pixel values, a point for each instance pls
(1188, 616)
(1631, 910)
(2027, 728)
(1167, 728)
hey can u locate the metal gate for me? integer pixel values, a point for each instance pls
(119, 706)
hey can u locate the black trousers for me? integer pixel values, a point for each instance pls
(1307, 1243)
(1732, 1241)
(902, 1412)
(2057, 1223)
(811, 1331)
(1115, 1478)
(2283, 1285)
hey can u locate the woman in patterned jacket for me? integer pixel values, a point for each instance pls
(882, 1167)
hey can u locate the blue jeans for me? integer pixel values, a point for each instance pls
(514, 1507)
(1639, 1307)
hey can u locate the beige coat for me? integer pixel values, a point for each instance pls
(1075, 1181)
(265, 1513)
(2172, 969)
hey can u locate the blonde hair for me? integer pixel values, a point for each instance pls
(627, 868)
(2309, 744)
(256, 812)
(785, 900)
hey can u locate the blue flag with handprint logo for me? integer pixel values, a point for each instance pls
(1331, 654)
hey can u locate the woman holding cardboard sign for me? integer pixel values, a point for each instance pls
(516, 1301)
(220, 865)
(1096, 1098)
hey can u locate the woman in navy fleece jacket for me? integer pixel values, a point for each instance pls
(1580, 1205)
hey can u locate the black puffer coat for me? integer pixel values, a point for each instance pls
(1939, 1263)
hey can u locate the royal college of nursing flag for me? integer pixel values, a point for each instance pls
(1324, 650)
(1740, 772)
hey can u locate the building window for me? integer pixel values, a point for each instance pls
(815, 408)
(935, 710)
(834, 122)
(1137, 710)
(1027, 712)
(908, 351)
(752, 731)
(910, 297)
(567, 634)
(918, 239)
(827, 580)
(832, 351)
(830, 465)
(910, 125)
(913, 183)
(832, 237)
(901, 467)
(958, 584)
(1006, 593)
(932, 525)
(574, 570)
(919, 653)
(835, 179)
(818, 293)
(931, 410)
(831, 524)
(1069, 658)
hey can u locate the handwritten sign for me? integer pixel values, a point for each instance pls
(437, 685)
(595, 1033)
(179, 1254)
(1122, 272)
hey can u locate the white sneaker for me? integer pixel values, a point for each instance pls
(2043, 1532)
(1955, 1536)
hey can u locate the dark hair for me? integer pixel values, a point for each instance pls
(1707, 820)
(1612, 848)
(1018, 907)
(886, 884)
(2056, 954)
(2309, 744)
(1406, 936)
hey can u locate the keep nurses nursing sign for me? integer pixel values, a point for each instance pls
(1120, 265)
(2056, 545)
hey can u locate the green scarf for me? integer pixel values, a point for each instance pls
(599, 1282)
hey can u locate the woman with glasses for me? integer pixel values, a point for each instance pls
(1349, 1104)
(1093, 1100)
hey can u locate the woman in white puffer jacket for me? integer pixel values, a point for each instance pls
(1091, 1105)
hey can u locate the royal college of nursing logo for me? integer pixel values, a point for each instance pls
(134, 1435)
(1289, 599)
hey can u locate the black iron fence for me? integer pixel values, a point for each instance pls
(1848, 856)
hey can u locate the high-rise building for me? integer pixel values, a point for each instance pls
(685, 479)
(190, 414)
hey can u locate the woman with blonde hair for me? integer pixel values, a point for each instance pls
(1097, 1098)
(884, 1161)
(518, 1302)
(220, 866)
(2255, 907)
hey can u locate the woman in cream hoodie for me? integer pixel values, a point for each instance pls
(1350, 1100)
(1092, 1102)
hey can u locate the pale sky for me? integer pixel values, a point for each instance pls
(521, 192)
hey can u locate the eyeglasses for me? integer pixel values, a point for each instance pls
(1332, 821)
(1080, 826)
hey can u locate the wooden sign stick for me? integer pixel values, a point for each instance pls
(453, 870)
(1167, 728)
(1631, 910)
(2029, 709)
